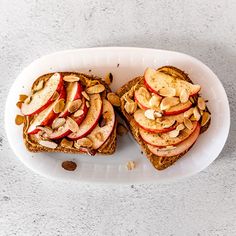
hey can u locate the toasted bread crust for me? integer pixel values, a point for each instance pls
(107, 148)
(160, 163)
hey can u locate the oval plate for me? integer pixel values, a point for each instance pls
(124, 64)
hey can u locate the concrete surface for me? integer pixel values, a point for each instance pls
(202, 205)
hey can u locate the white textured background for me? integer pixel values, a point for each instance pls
(201, 205)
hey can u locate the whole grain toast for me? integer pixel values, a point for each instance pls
(158, 162)
(107, 148)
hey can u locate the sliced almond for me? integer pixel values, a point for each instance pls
(98, 88)
(130, 165)
(45, 130)
(108, 78)
(130, 107)
(59, 106)
(28, 100)
(192, 118)
(19, 120)
(184, 95)
(72, 125)
(85, 95)
(71, 78)
(167, 92)
(83, 142)
(75, 105)
(149, 113)
(196, 113)
(69, 165)
(168, 102)
(188, 123)
(22, 97)
(205, 118)
(66, 143)
(157, 114)
(58, 122)
(188, 113)
(154, 102)
(144, 92)
(173, 133)
(78, 113)
(113, 99)
(121, 129)
(180, 127)
(38, 86)
(19, 104)
(99, 136)
(201, 103)
(55, 96)
(168, 123)
(87, 104)
(48, 144)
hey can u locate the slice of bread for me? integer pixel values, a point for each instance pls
(158, 162)
(31, 143)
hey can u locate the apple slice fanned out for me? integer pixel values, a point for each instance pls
(44, 97)
(91, 119)
(180, 108)
(163, 140)
(99, 135)
(150, 125)
(64, 130)
(73, 92)
(178, 149)
(46, 116)
(156, 80)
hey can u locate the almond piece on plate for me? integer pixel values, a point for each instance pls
(205, 118)
(85, 95)
(75, 105)
(48, 144)
(180, 127)
(58, 122)
(188, 113)
(83, 142)
(22, 97)
(184, 96)
(130, 107)
(98, 88)
(69, 165)
(130, 165)
(108, 79)
(113, 99)
(19, 104)
(168, 102)
(66, 143)
(45, 130)
(78, 113)
(167, 92)
(19, 119)
(71, 78)
(196, 113)
(173, 133)
(201, 103)
(154, 102)
(188, 123)
(72, 125)
(168, 123)
(59, 106)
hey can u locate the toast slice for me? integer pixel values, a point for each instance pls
(127, 90)
(40, 141)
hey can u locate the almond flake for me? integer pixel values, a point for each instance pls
(38, 86)
(98, 88)
(48, 131)
(55, 96)
(48, 144)
(66, 143)
(201, 103)
(154, 102)
(69, 165)
(83, 142)
(72, 125)
(157, 114)
(19, 120)
(22, 97)
(19, 104)
(167, 92)
(188, 113)
(168, 123)
(75, 105)
(59, 106)
(144, 92)
(108, 79)
(188, 123)
(196, 114)
(78, 113)
(130, 165)
(130, 107)
(180, 127)
(121, 129)
(99, 136)
(173, 133)
(149, 113)
(184, 96)
(113, 99)
(58, 122)
(168, 102)
(205, 118)
(85, 95)
(71, 78)
(87, 104)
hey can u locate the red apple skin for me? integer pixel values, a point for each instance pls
(52, 115)
(50, 101)
(172, 113)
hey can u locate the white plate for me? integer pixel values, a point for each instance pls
(124, 64)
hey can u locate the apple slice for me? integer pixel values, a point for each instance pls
(180, 148)
(64, 131)
(43, 98)
(150, 125)
(92, 118)
(180, 108)
(73, 92)
(156, 80)
(163, 140)
(99, 135)
(46, 116)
